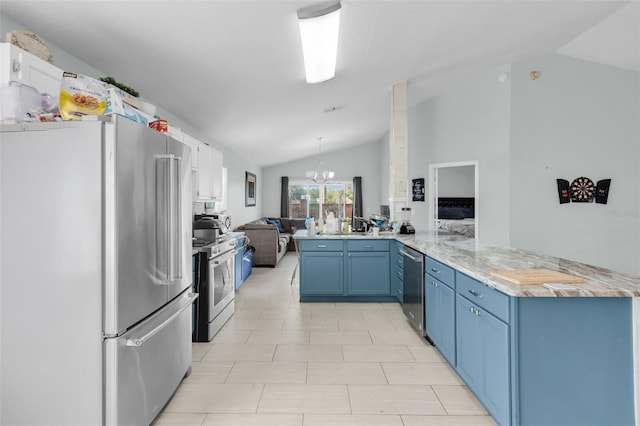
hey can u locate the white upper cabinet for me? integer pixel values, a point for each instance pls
(16, 64)
(216, 162)
(204, 190)
(193, 144)
(206, 168)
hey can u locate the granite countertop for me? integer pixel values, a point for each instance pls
(477, 260)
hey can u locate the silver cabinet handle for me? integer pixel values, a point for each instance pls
(475, 293)
(435, 271)
(322, 246)
(138, 341)
(475, 311)
(368, 246)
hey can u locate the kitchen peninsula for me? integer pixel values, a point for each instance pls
(531, 354)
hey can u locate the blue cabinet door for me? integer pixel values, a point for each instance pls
(483, 357)
(431, 314)
(469, 344)
(447, 323)
(495, 353)
(238, 267)
(321, 273)
(368, 273)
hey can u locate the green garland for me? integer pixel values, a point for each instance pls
(129, 90)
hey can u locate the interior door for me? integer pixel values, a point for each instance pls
(135, 281)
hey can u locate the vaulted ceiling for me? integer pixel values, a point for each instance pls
(234, 69)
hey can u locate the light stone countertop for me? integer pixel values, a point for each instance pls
(477, 260)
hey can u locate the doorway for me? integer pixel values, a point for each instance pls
(454, 195)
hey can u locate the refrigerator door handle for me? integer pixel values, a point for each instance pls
(169, 211)
(139, 341)
(163, 220)
(172, 217)
(176, 214)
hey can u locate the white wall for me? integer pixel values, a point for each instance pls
(235, 163)
(468, 123)
(577, 119)
(456, 181)
(363, 160)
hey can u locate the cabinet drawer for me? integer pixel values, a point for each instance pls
(492, 300)
(440, 271)
(367, 245)
(398, 260)
(397, 273)
(321, 245)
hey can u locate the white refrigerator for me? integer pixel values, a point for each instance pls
(95, 272)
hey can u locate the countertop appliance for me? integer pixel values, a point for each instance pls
(215, 284)
(220, 221)
(225, 221)
(97, 329)
(406, 227)
(413, 288)
(206, 228)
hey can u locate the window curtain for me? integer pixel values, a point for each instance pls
(357, 199)
(284, 196)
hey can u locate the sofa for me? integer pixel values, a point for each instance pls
(271, 238)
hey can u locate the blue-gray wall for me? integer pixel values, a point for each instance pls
(470, 122)
(235, 163)
(578, 119)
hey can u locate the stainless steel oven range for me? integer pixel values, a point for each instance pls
(215, 284)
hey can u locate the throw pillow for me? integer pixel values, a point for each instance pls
(277, 223)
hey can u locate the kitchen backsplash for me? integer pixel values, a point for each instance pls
(198, 208)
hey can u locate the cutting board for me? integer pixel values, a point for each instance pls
(536, 276)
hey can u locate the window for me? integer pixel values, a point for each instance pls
(309, 199)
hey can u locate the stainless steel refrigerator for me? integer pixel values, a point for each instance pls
(95, 272)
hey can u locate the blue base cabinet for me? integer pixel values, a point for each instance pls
(546, 360)
(440, 308)
(397, 269)
(573, 361)
(347, 271)
(440, 313)
(321, 273)
(368, 268)
(483, 357)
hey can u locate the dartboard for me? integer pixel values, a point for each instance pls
(582, 190)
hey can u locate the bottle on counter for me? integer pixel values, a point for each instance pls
(312, 228)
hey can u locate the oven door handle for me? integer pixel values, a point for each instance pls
(223, 258)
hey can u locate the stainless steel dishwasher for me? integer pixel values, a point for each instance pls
(413, 288)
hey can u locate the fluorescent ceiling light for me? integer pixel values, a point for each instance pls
(319, 27)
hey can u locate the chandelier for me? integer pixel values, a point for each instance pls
(318, 175)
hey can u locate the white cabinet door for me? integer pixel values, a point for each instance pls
(193, 144)
(216, 172)
(204, 191)
(23, 66)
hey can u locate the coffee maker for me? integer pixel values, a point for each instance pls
(406, 227)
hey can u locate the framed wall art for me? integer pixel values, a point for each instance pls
(250, 189)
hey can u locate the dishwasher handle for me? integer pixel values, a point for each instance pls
(410, 256)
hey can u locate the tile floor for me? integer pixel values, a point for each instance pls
(283, 363)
